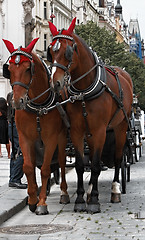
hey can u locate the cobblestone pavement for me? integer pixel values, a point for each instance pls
(123, 221)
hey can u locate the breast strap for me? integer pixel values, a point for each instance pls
(96, 88)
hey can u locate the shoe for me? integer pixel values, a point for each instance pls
(17, 185)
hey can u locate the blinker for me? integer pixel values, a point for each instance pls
(49, 56)
(69, 53)
(6, 72)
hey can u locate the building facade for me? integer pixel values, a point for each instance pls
(135, 38)
(17, 27)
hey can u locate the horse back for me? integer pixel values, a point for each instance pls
(126, 85)
(125, 75)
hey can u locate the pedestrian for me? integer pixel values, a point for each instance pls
(16, 162)
(4, 139)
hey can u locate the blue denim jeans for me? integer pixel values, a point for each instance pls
(16, 165)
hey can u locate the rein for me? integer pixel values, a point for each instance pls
(84, 75)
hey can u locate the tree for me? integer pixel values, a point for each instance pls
(104, 43)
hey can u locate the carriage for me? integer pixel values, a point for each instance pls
(97, 100)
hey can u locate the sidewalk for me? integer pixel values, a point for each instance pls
(4, 167)
(123, 221)
(11, 200)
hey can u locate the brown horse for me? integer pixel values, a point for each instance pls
(37, 120)
(102, 101)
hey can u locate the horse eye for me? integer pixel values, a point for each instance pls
(28, 69)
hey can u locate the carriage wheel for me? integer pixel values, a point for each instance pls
(123, 173)
(140, 150)
(128, 172)
(137, 147)
(140, 146)
(56, 176)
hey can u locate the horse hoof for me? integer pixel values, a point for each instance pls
(115, 197)
(80, 207)
(93, 208)
(33, 207)
(64, 199)
(41, 210)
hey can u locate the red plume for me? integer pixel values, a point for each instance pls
(30, 47)
(53, 29)
(9, 46)
(72, 26)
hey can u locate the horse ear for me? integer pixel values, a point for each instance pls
(30, 47)
(9, 45)
(53, 29)
(72, 26)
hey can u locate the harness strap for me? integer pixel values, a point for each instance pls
(85, 114)
(118, 101)
(60, 66)
(113, 72)
(39, 129)
(20, 52)
(62, 36)
(63, 115)
(21, 84)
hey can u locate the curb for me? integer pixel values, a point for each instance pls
(11, 201)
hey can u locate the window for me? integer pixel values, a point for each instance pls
(45, 10)
(101, 3)
(45, 42)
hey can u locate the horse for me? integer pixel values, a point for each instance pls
(100, 101)
(37, 119)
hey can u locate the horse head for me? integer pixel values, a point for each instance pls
(61, 54)
(20, 71)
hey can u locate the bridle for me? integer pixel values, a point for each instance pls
(27, 103)
(17, 53)
(68, 55)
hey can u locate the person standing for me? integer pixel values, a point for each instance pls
(16, 162)
(4, 139)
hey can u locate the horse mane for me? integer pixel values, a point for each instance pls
(82, 41)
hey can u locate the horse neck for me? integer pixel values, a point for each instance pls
(84, 62)
(40, 81)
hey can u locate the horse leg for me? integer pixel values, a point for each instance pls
(29, 170)
(120, 137)
(93, 205)
(115, 191)
(64, 197)
(80, 204)
(45, 174)
(95, 145)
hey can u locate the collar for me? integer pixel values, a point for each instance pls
(96, 88)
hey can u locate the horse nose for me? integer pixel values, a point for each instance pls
(18, 104)
(57, 86)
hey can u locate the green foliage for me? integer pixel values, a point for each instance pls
(104, 43)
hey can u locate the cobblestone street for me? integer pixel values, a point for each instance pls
(123, 221)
